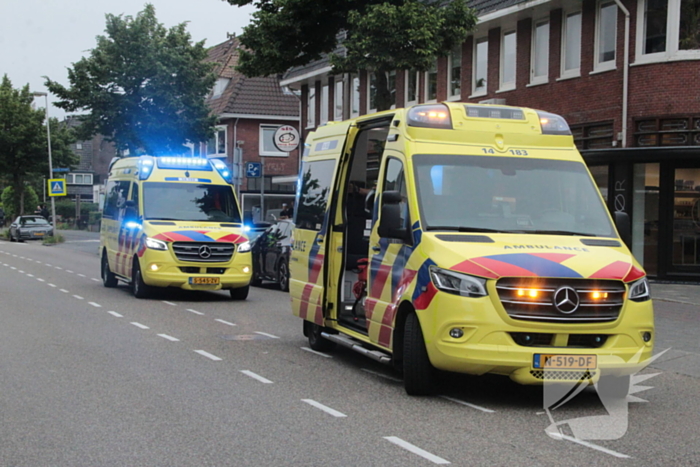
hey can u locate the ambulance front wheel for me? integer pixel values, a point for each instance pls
(139, 288)
(241, 293)
(316, 341)
(418, 372)
(108, 277)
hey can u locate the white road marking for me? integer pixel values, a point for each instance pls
(416, 450)
(266, 334)
(314, 352)
(139, 325)
(81, 275)
(589, 445)
(382, 375)
(170, 338)
(225, 322)
(58, 267)
(208, 355)
(68, 270)
(51, 285)
(78, 297)
(96, 305)
(256, 376)
(195, 311)
(21, 271)
(95, 279)
(169, 303)
(30, 275)
(13, 268)
(63, 290)
(473, 406)
(114, 313)
(326, 409)
(40, 279)
(48, 264)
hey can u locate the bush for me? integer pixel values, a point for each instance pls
(58, 238)
(10, 202)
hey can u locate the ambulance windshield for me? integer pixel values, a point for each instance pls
(509, 194)
(189, 202)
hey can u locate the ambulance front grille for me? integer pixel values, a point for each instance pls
(534, 299)
(204, 252)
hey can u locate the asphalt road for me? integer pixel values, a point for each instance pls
(94, 377)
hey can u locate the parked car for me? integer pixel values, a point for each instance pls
(30, 228)
(271, 251)
(254, 229)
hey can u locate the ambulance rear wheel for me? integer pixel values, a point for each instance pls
(418, 372)
(283, 276)
(241, 293)
(139, 288)
(316, 341)
(108, 277)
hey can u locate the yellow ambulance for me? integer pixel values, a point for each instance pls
(466, 238)
(173, 222)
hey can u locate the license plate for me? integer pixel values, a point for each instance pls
(564, 362)
(38, 234)
(204, 280)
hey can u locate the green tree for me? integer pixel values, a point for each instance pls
(381, 35)
(143, 85)
(23, 143)
(31, 200)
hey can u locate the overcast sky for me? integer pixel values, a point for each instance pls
(45, 37)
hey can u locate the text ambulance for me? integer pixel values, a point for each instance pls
(173, 222)
(467, 238)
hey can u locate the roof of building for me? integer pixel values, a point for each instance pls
(243, 95)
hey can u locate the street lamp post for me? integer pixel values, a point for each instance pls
(48, 140)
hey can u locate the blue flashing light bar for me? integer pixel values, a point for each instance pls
(184, 163)
(224, 171)
(145, 167)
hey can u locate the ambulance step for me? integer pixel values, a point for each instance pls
(352, 344)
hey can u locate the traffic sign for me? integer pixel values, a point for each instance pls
(57, 187)
(61, 169)
(253, 169)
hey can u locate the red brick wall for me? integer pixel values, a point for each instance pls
(248, 131)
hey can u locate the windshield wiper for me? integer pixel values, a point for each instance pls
(561, 232)
(466, 229)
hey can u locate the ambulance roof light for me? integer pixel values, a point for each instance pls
(430, 116)
(185, 163)
(553, 124)
(224, 171)
(145, 167)
(492, 111)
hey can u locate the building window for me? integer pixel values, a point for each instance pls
(454, 67)
(571, 46)
(431, 83)
(593, 135)
(324, 104)
(219, 87)
(481, 55)
(606, 36)
(508, 59)
(216, 146)
(338, 101)
(78, 146)
(354, 95)
(311, 108)
(411, 87)
(539, 69)
(670, 29)
(655, 24)
(79, 179)
(372, 90)
(688, 32)
(267, 141)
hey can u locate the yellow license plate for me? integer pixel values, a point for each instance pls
(38, 234)
(204, 280)
(564, 362)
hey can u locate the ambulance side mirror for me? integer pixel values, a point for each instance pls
(622, 222)
(391, 224)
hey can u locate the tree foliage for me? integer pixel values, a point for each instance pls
(143, 85)
(23, 143)
(381, 35)
(10, 199)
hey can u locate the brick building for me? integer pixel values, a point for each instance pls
(622, 72)
(250, 110)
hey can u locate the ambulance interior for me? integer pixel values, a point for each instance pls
(358, 205)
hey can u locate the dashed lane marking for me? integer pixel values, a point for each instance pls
(30, 275)
(266, 334)
(139, 325)
(51, 285)
(169, 303)
(78, 297)
(63, 290)
(416, 450)
(96, 305)
(256, 376)
(316, 353)
(170, 338)
(325, 408)
(68, 270)
(40, 279)
(81, 275)
(95, 279)
(208, 355)
(195, 311)
(225, 322)
(114, 313)
(473, 406)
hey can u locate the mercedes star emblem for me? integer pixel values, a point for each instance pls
(204, 252)
(566, 300)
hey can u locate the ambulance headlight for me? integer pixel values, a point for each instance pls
(639, 290)
(154, 244)
(244, 247)
(457, 283)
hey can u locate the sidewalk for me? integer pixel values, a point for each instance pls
(677, 292)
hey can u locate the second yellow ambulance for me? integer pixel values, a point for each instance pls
(467, 238)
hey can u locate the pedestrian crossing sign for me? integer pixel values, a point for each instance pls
(57, 187)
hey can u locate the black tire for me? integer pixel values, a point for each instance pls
(418, 372)
(241, 293)
(12, 237)
(283, 276)
(17, 239)
(109, 280)
(255, 280)
(139, 288)
(613, 387)
(316, 341)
